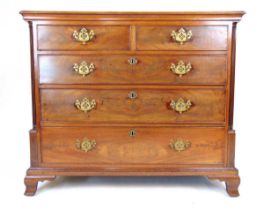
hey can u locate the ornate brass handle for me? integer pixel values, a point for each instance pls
(84, 35)
(181, 69)
(180, 105)
(84, 68)
(181, 36)
(132, 61)
(180, 145)
(85, 145)
(85, 104)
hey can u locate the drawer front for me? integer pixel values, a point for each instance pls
(178, 69)
(201, 38)
(134, 105)
(149, 69)
(105, 69)
(149, 145)
(62, 38)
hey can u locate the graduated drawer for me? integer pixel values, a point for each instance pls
(133, 105)
(202, 38)
(149, 69)
(59, 37)
(148, 145)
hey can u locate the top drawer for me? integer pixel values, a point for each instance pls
(193, 37)
(83, 37)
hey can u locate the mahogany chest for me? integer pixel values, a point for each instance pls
(132, 94)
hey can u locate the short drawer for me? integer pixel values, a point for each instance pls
(68, 37)
(85, 69)
(148, 145)
(197, 37)
(148, 69)
(133, 105)
(180, 69)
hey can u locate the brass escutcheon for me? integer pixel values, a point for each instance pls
(180, 105)
(181, 69)
(84, 68)
(85, 104)
(132, 95)
(85, 145)
(180, 145)
(132, 133)
(83, 35)
(132, 61)
(181, 36)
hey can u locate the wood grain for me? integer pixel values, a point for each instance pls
(148, 146)
(115, 69)
(60, 38)
(144, 35)
(131, 16)
(151, 106)
(203, 38)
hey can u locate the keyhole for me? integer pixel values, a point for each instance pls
(132, 95)
(132, 133)
(132, 61)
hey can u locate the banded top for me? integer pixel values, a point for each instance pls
(234, 16)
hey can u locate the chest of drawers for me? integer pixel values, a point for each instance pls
(132, 94)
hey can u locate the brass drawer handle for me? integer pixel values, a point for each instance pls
(84, 68)
(132, 133)
(85, 145)
(180, 69)
(181, 36)
(132, 61)
(180, 105)
(180, 145)
(85, 104)
(83, 35)
(132, 95)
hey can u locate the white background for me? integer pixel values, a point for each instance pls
(129, 193)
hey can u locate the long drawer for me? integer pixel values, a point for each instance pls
(148, 145)
(135, 105)
(148, 69)
(197, 37)
(103, 38)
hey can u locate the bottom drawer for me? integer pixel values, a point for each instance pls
(138, 145)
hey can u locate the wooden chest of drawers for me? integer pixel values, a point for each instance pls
(132, 94)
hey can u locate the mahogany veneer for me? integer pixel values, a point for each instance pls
(57, 37)
(149, 146)
(116, 105)
(158, 37)
(114, 69)
(150, 106)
